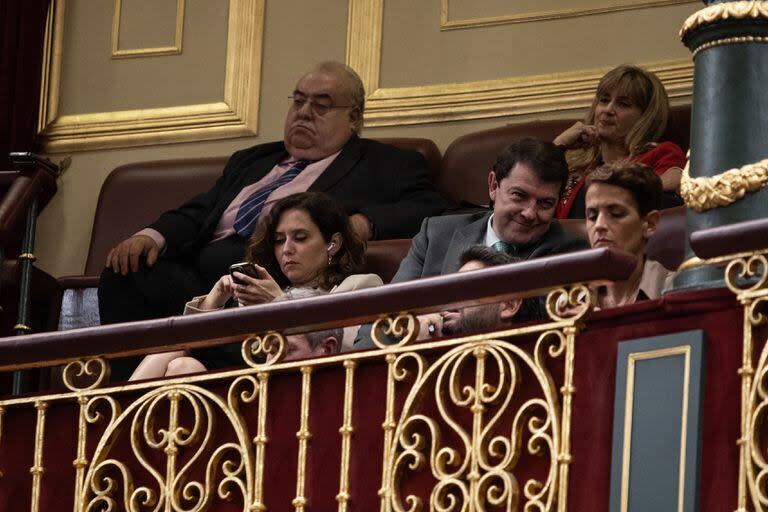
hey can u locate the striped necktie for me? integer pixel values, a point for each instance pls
(249, 211)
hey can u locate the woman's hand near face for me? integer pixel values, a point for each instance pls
(577, 136)
(221, 292)
(670, 180)
(256, 290)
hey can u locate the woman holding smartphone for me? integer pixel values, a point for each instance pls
(304, 241)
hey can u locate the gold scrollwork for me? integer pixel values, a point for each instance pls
(271, 347)
(754, 437)
(747, 274)
(572, 303)
(194, 471)
(89, 414)
(756, 312)
(395, 332)
(705, 193)
(474, 468)
(724, 11)
(82, 375)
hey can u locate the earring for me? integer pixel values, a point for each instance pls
(330, 258)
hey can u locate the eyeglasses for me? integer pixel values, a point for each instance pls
(320, 108)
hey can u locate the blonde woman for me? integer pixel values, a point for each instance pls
(627, 118)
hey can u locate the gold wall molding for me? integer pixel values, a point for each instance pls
(117, 53)
(633, 359)
(554, 14)
(534, 94)
(235, 116)
(741, 10)
(708, 192)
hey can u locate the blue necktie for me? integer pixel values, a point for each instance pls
(249, 211)
(501, 246)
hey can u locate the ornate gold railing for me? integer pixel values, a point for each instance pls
(746, 275)
(461, 416)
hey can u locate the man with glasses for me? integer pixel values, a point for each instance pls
(385, 190)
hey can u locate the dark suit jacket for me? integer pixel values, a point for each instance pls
(388, 185)
(438, 246)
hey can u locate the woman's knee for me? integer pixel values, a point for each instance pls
(184, 365)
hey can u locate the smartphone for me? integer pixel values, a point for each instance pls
(244, 268)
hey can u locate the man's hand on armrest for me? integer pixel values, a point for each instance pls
(124, 257)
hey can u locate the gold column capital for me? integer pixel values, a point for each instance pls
(744, 9)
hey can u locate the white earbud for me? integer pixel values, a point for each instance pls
(331, 245)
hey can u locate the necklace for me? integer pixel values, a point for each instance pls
(573, 180)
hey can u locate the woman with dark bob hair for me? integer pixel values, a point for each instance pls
(627, 118)
(305, 240)
(343, 254)
(622, 206)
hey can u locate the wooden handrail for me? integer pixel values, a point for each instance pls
(735, 238)
(523, 279)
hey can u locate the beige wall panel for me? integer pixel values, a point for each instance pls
(147, 23)
(298, 33)
(415, 52)
(473, 9)
(92, 81)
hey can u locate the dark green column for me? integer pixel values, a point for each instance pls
(729, 120)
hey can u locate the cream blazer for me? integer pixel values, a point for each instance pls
(351, 283)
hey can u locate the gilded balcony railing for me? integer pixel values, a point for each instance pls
(742, 249)
(480, 422)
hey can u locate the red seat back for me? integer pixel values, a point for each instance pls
(469, 159)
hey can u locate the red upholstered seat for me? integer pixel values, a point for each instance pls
(426, 147)
(383, 257)
(469, 158)
(133, 195)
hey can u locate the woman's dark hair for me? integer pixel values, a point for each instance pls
(531, 308)
(329, 216)
(639, 179)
